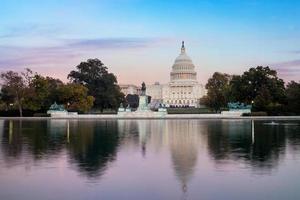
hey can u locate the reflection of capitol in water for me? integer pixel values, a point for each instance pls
(181, 137)
(184, 142)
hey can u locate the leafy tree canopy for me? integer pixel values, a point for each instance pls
(260, 86)
(217, 89)
(102, 85)
(15, 86)
(293, 97)
(75, 97)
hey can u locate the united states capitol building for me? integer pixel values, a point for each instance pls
(183, 88)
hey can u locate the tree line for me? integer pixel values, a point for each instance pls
(259, 87)
(90, 86)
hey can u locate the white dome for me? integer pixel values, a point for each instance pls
(183, 58)
(183, 68)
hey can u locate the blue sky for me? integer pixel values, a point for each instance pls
(139, 40)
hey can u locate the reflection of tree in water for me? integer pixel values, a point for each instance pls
(30, 137)
(293, 137)
(232, 140)
(93, 145)
(11, 144)
(183, 141)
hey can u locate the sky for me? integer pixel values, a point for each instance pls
(138, 40)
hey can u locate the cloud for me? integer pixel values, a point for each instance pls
(112, 43)
(289, 70)
(295, 52)
(288, 64)
(30, 30)
(68, 49)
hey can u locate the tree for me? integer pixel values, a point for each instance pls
(101, 84)
(75, 97)
(257, 84)
(37, 93)
(293, 97)
(15, 86)
(132, 100)
(42, 92)
(217, 90)
(53, 85)
(7, 97)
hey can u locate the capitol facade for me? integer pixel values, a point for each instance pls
(183, 89)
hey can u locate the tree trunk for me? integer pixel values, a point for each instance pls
(20, 107)
(20, 110)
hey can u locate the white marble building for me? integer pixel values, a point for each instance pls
(183, 88)
(130, 89)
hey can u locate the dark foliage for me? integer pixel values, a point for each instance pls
(101, 84)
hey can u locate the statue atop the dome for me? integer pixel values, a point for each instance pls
(143, 89)
(182, 47)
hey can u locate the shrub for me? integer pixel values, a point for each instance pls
(255, 114)
(41, 115)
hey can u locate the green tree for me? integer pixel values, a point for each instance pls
(15, 86)
(260, 86)
(217, 91)
(132, 100)
(101, 84)
(37, 93)
(7, 98)
(75, 97)
(53, 86)
(293, 97)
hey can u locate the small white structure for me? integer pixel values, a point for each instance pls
(59, 111)
(130, 89)
(235, 112)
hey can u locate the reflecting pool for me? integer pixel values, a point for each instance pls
(149, 159)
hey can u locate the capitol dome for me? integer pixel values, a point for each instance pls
(183, 69)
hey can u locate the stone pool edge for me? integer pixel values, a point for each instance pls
(168, 116)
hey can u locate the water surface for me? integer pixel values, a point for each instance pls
(149, 159)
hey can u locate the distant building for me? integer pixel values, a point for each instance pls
(183, 88)
(130, 89)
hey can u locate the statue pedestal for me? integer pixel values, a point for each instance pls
(57, 113)
(121, 110)
(143, 104)
(162, 110)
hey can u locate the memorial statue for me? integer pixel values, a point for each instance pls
(238, 106)
(143, 89)
(57, 110)
(56, 107)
